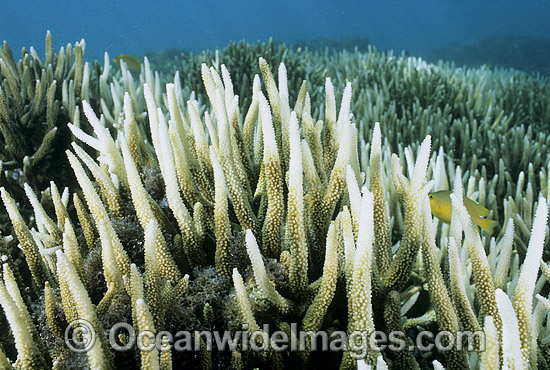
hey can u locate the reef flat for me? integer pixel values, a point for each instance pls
(276, 197)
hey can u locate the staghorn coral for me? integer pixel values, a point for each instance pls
(270, 195)
(37, 98)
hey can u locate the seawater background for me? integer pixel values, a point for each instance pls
(137, 27)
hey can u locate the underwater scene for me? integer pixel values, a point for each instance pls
(275, 185)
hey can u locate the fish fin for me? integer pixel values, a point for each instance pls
(482, 211)
(487, 225)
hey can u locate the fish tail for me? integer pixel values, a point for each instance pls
(487, 225)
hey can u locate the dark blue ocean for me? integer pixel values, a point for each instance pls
(422, 27)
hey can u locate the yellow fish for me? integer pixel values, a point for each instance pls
(133, 63)
(440, 203)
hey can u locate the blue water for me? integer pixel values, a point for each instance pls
(140, 26)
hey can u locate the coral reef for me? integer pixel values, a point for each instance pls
(358, 43)
(273, 203)
(37, 99)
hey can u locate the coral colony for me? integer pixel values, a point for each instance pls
(267, 207)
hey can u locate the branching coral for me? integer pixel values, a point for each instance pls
(314, 224)
(37, 98)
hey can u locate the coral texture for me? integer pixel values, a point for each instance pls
(273, 203)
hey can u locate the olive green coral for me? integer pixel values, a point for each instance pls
(37, 99)
(301, 206)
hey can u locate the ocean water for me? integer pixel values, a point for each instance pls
(429, 28)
